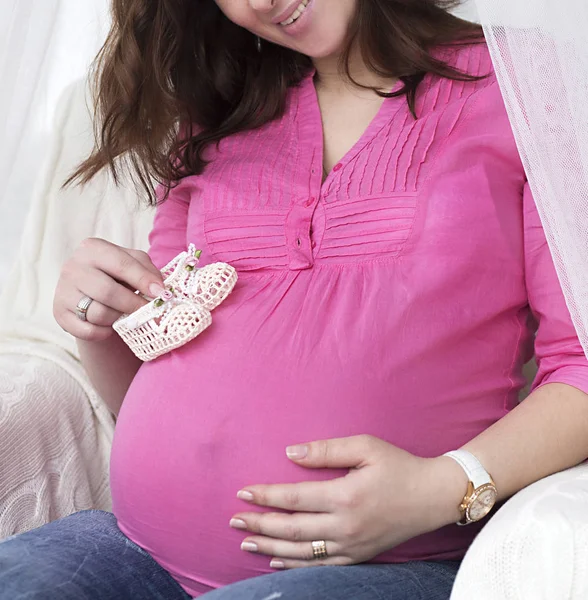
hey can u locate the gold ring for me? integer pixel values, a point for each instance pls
(319, 549)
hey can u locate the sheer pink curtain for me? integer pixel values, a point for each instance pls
(540, 54)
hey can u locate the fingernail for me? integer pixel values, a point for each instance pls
(155, 290)
(238, 524)
(276, 564)
(245, 495)
(249, 546)
(296, 451)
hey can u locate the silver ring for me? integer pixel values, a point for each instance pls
(82, 307)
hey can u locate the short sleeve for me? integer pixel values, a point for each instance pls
(558, 352)
(168, 237)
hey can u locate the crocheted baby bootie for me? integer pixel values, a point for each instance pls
(208, 286)
(183, 311)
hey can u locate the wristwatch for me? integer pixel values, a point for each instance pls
(481, 493)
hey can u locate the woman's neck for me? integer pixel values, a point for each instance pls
(329, 78)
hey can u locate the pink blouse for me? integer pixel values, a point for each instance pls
(399, 298)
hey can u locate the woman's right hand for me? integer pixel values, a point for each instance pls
(108, 274)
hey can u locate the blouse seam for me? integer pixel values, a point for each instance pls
(516, 354)
(317, 263)
(359, 263)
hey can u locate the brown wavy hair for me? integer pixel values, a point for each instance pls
(175, 76)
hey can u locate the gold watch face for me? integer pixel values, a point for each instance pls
(482, 503)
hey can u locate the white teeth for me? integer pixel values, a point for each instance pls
(299, 10)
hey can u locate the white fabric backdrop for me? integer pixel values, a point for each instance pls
(45, 45)
(468, 10)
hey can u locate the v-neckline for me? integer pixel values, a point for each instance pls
(309, 91)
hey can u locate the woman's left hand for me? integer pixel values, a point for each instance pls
(387, 497)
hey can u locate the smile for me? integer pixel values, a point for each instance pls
(296, 14)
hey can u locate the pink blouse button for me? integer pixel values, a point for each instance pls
(310, 201)
(337, 167)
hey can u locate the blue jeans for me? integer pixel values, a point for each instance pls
(86, 557)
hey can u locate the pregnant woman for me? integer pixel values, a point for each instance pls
(356, 396)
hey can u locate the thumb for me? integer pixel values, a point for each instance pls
(152, 282)
(146, 261)
(337, 453)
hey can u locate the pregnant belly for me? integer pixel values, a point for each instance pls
(196, 426)
(216, 415)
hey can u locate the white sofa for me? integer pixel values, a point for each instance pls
(55, 433)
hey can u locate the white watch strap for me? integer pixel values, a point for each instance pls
(472, 466)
